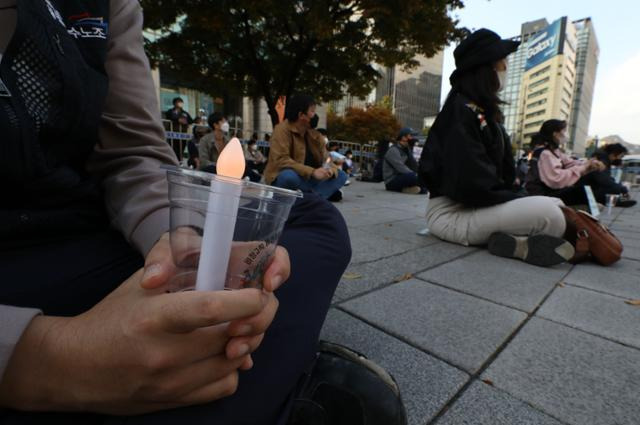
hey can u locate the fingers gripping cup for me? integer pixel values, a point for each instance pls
(231, 224)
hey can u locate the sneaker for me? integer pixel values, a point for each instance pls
(346, 388)
(625, 203)
(539, 250)
(347, 183)
(413, 190)
(336, 197)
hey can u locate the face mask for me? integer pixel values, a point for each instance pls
(502, 78)
(616, 162)
(225, 127)
(564, 138)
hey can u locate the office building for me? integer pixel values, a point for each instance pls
(515, 70)
(414, 93)
(551, 75)
(586, 67)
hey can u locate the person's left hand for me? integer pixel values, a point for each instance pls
(159, 268)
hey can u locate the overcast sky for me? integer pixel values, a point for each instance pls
(616, 103)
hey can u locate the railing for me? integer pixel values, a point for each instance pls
(363, 155)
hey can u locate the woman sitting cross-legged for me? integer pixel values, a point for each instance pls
(468, 166)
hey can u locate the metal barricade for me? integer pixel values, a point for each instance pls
(368, 159)
(177, 139)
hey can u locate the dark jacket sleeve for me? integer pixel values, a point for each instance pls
(470, 175)
(603, 179)
(606, 184)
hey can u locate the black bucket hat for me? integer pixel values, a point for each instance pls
(481, 47)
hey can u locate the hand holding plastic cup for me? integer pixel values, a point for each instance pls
(259, 219)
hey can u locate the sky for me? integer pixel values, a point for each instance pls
(616, 102)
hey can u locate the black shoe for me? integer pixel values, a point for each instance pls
(625, 203)
(539, 250)
(336, 197)
(345, 388)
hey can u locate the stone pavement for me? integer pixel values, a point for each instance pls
(476, 339)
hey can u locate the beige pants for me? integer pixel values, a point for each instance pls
(451, 221)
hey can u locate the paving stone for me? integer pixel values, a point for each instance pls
(426, 383)
(363, 215)
(629, 241)
(482, 404)
(505, 281)
(575, 377)
(459, 328)
(378, 273)
(624, 228)
(621, 279)
(631, 252)
(367, 246)
(596, 313)
(405, 231)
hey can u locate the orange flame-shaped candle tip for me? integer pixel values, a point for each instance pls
(231, 161)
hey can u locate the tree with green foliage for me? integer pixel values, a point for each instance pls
(273, 48)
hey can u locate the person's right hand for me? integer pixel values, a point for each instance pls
(137, 351)
(322, 174)
(595, 165)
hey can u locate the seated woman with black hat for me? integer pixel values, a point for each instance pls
(468, 166)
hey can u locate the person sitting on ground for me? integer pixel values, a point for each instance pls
(348, 166)
(212, 143)
(89, 333)
(255, 160)
(611, 155)
(297, 157)
(559, 175)
(334, 152)
(400, 167)
(469, 169)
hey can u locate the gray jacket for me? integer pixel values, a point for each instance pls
(129, 154)
(398, 160)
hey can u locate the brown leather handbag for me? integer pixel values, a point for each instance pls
(591, 239)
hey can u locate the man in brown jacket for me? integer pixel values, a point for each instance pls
(298, 157)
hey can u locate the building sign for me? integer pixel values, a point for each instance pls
(546, 44)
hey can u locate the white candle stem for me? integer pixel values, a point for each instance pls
(220, 223)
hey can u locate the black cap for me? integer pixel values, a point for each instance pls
(481, 47)
(406, 132)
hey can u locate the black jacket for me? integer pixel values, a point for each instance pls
(603, 178)
(468, 158)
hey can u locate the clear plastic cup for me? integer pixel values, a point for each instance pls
(611, 199)
(261, 215)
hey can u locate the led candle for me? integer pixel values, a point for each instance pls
(220, 222)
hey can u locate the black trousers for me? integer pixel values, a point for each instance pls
(69, 277)
(575, 195)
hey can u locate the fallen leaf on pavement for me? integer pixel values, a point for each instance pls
(488, 382)
(389, 225)
(351, 276)
(561, 284)
(402, 278)
(387, 239)
(633, 302)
